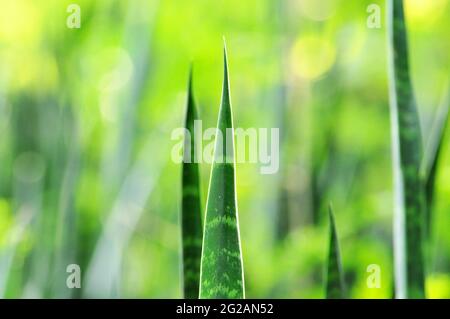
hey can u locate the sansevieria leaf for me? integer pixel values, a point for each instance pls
(191, 215)
(222, 268)
(335, 287)
(407, 152)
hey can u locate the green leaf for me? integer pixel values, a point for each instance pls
(407, 153)
(221, 268)
(431, 157)
(191, 215)
(335, 287)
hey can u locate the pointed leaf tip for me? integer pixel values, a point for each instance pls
(222, 274)
(330, 209)
(225, 62)
(190, 79)
(335, 286)
(191, 213)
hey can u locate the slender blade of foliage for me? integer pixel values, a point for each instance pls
(191, 215)
(431, 157)
(221, 267)
(406, 149)
(335, 287)
(103, 273)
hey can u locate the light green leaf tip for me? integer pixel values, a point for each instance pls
(335, 287)
(222, 273)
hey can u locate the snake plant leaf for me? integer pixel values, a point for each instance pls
(407, 152)
(431, 157)
(335, 287)
(222, 267)
(191, 215)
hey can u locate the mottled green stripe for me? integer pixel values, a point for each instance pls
(410, 191)
(221, 269)
(192, 232)
(335, 287)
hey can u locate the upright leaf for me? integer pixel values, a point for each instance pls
(335, 287)
(221, 268)
(191, 215)
(431, 157)
(407, 152)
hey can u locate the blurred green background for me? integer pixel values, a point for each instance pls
(86, 116)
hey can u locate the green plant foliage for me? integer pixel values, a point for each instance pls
(407, 153)
(191, 215)
(91, 141)
(335, 287)
(431, 158)
(221, 267)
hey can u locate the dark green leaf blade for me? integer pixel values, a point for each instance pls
(191, 215)
(222, 268)
(407, 152)
(335, 287)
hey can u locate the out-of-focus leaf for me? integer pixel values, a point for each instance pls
(335, 287)
(407, 153)
(431, 157)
